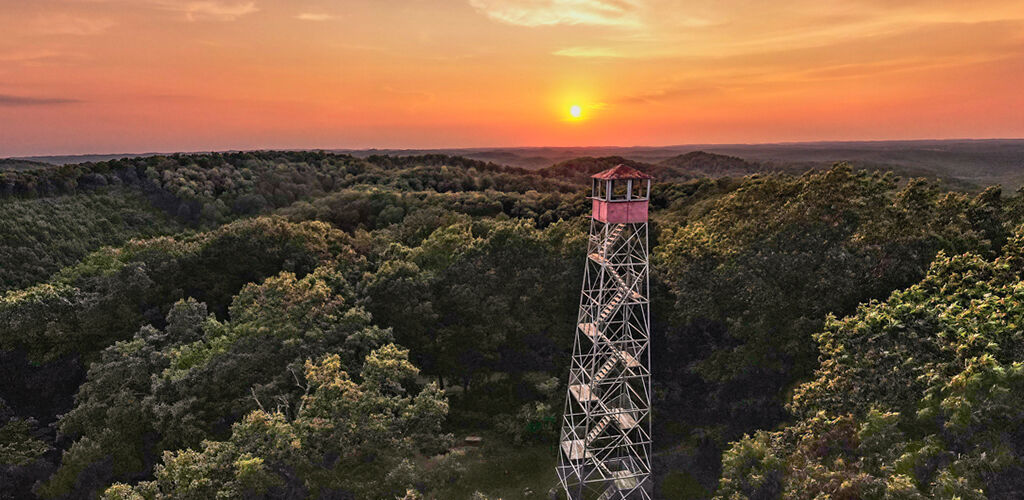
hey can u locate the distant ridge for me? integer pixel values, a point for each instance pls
(19, 164)
(702, 163)
(580, 169)
(965, 163)
(680, 167)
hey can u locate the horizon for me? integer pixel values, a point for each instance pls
(89, 77)
(345, 150)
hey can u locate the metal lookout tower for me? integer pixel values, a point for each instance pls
(606, 429)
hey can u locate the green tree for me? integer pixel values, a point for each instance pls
(916, 397)
(347, 436)
(485, 297)
(176, 387)
(751, 275)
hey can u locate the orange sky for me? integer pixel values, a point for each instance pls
(91, 76)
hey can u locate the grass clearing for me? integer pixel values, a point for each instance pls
(500, 469)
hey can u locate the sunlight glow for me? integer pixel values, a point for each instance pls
(220, 74)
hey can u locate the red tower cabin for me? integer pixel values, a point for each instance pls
(620, 195)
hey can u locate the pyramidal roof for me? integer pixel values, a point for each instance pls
(621, 172)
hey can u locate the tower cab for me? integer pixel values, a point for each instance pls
(620, 195)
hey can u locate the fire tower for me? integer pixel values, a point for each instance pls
(606, 428)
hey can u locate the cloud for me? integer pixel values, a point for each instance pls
(312, 16)
(623, 13)
(7, 100)
(194, 10)
(29, 55)
(675, 89)
(695, 22)
(210, 10)
(591, 52)
(65, 24)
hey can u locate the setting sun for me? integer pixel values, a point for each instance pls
(575, 111)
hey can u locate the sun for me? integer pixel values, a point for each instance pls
(575, 111)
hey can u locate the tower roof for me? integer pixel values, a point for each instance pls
(621, 172)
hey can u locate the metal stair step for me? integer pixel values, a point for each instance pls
(575, 449)
(582, 393)
(605, 369)
(625, 421)
(598, 429)
(624, 480)
(609, 493)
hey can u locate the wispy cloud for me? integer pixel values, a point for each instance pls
(29, 55)
(623, 13)
(7, 100)
(210, 10)
(194, 10)
(314, 16)
(694, 22)
(590, 52)
(668, 93)
(66, 24)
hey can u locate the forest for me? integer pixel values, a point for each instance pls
(288, 325)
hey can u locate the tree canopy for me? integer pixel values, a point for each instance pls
(916, 397)
(311, 325)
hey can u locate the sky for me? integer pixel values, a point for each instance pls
(109, 76)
